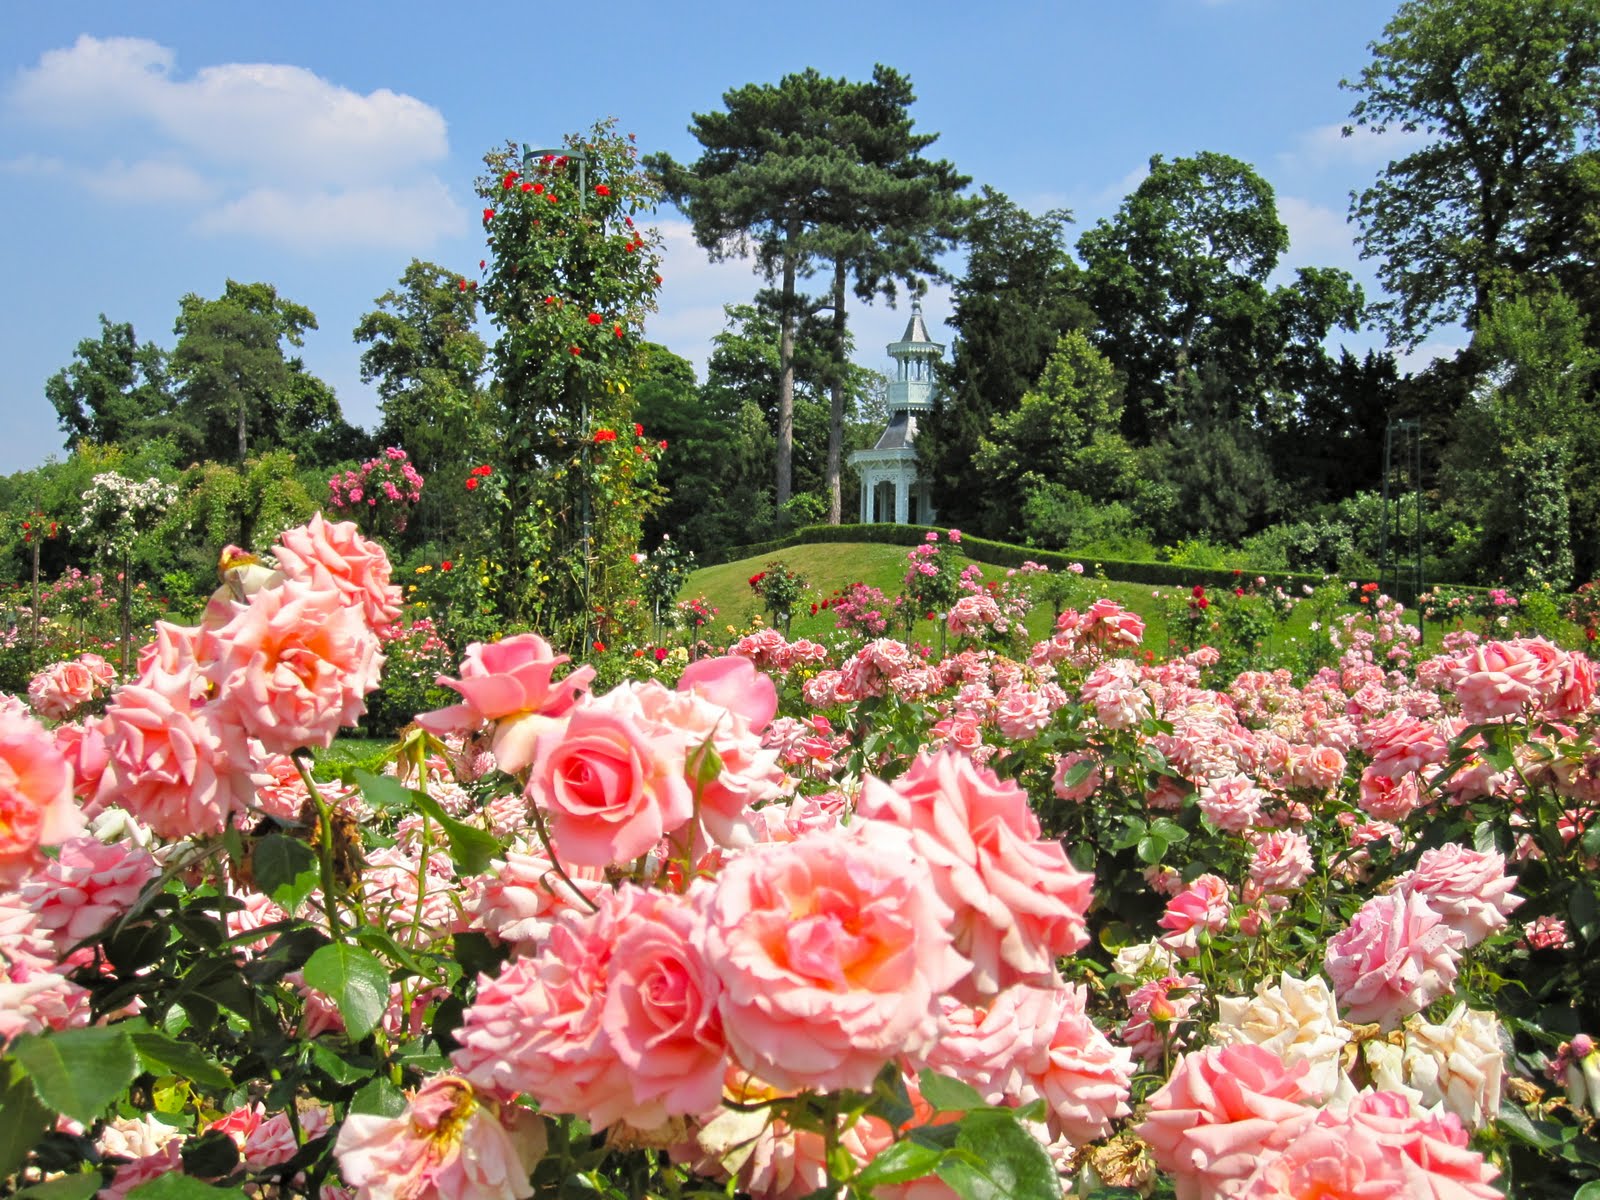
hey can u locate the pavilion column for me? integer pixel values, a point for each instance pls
(900, 497)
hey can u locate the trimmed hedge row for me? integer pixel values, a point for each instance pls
(1005, 554)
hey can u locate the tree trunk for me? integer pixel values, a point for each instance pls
(836, 409)
(786, 326)
(243, 448)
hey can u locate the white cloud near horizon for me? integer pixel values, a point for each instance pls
(265, 150)
(1327, 147)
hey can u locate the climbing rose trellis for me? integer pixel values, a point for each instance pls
(794, 924)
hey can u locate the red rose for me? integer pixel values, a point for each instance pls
(661, 654)
(482, 263)
(446, 565)
(462, 284)
(617, 329)
(538, 188)
(510, 178)
(575, 349)
(530, 187)
(1203, 602)
(471, 484)
(1199, 590)
(638, 430)
(599, 647)
(601, 189)
(488, 214)
(595, 318)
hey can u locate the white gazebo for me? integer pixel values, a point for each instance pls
(891, 489)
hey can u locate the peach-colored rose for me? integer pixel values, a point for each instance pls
(1468, 888)
(1220, 1111)
(831, 950)
(1501, 679)
(512, 683)
(1282, 862)
(1082, 1078)
(610, 781)
(519, 901)
(36, 805)
(1437, 1144)
(1332, 1161)
(449, 1144)
(167, 765)
(87, 886)
(292, 667)
(734, 684)
(334, 555)
(1396, 957)
(63, 687)
(1019, 903)
(660, 1009)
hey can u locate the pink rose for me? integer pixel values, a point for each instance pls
(166, 764)
(449, 1144)
(1436, 1144)
(535, 1028)
(292, 667)
(734, 684)
(1282, 862)
(831, 950)
(336, 556)
(611, 783)
(1018, 901)
(63, 687)
(1396, 957)
(1204, 904)
(36, 807)
(1232, 803)
(510, 682)
(1501, 679)
(86, 887)
(1083, 1079)
(1469, 889)
(1221, 1109)
(660, 1009)
(1088, 783)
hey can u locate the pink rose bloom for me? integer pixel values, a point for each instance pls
(1388, 798)
(1448, 1169)
(750, 774)
(449, 1144)
(1018, 901)
(292, 667)
(1108, 624)
(36, 806)
(831, 950)
(660, 1009)
(1021, 712)
(86, 887)
(336, 556)
(84, 748)
(1220, 1111)
(170, 660)
(1083, 1079)
(166, 765)
(733, 683)
(510, 682)
(519, 901)
(1469, 889)
(1232, 804)
(1396, 957)
(1501, 679)
(64, 686)
(1204, 904)
(981, 1046)
(1333, 1160)
(610, 782)
(1282, 862)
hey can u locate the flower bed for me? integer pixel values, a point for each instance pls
(1059, 920)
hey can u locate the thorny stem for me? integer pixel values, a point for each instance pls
(555, 863)
(330, 905)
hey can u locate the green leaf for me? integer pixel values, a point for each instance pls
(337, 1068)
(379, 1098)
(68, 1187)
(286, 869)
(211, 1155)
(354, 980)
(704, 766)
(1077, 773)
(78, 1071)
(900, 1163)
(1514, 1121)
(1168, 829)
(176, 1186)
(471, 848)
(1584, 911)
(1589, 1191)
(1001, 1161)
(946, 1094)
(1151, 849)
(1591, 841)
(1133, 830)
(26, 1120)
(163, 1055)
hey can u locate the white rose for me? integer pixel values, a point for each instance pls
(1458, 1064)
(1144, 961)
(1297, 1020)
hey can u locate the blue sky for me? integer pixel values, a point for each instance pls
(153, 149)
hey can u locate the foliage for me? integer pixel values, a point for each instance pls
(780, 590)
(219, 504)
(568, 283)
(1505, 94)
(415, 656)
(1019, 294)
(115, 390)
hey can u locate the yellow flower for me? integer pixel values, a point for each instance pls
(424, 569)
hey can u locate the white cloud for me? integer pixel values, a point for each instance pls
(1327, 146)
(149, 181)
(1318, 236)
(264, 146)
(392, 215)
